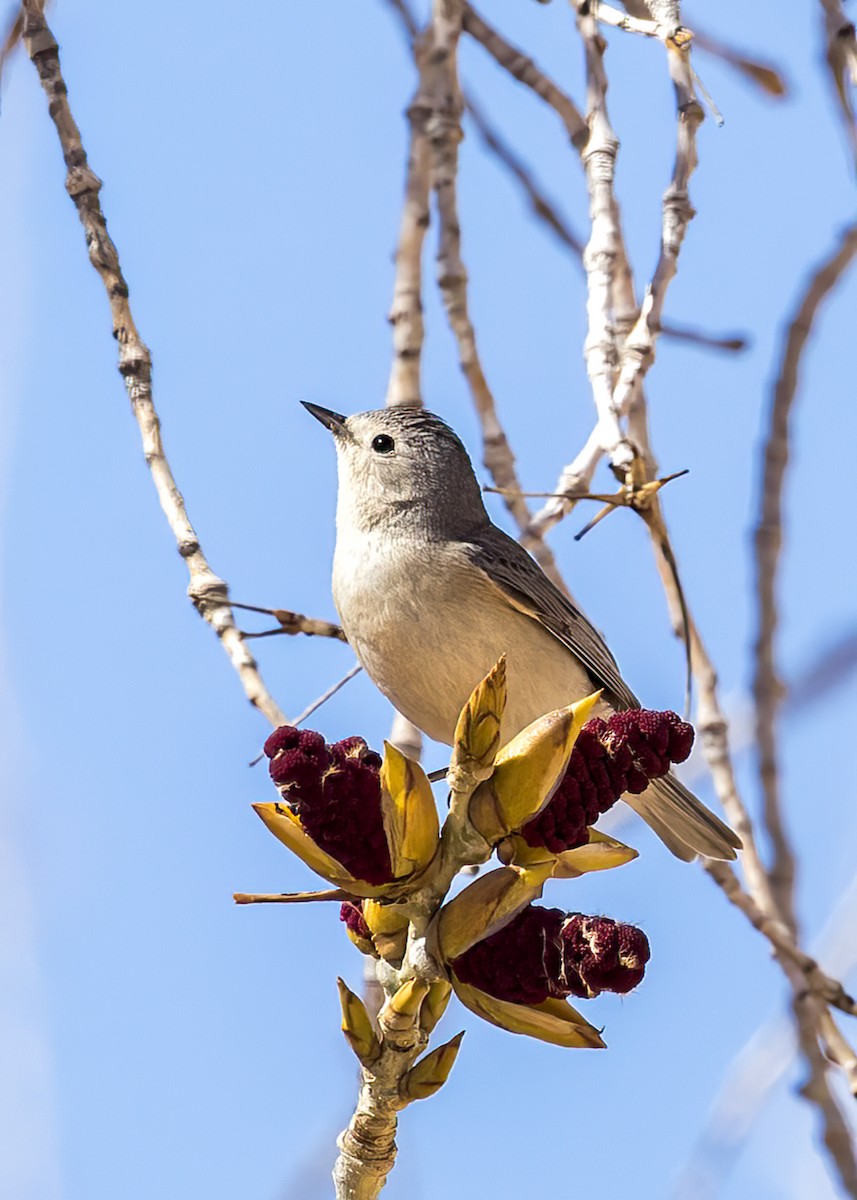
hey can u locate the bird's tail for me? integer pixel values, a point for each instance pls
(683, 823)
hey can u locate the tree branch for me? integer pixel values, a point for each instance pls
(767, 688)
(207, 591)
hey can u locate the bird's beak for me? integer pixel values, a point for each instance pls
(333, 421)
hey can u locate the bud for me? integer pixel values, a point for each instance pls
(407, 1000)
(357, 1026)
(484, 906)
(621, 754)
(477, 734)
(434, 1005)
(600, 853)
(355, 926)
(527, 771)
(377, 929)
(369, 826)
(431, 1072)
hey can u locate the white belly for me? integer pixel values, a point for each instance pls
(426, 631)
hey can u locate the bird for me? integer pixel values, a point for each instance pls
(431, 593)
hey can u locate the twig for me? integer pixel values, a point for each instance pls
(207, 591)
(406, 313)
(541, 206)
(289, 897)
(292, 623)
(765, 74)
(812, 1020)
(638, 351)
(607, 15)
(367, 1146)
(638, 348)
(525, 71)
(759, 1066)
(841, 54)
(781, 938)
(436, 112)
(767, 689)
(604, 253)
(817, 1091)
(510, 57)
(325, 696)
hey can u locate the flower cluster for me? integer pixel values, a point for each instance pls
(369, 825)
(335, 792)
(622, 754)
(545, 952)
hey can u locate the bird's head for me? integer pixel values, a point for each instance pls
(401, 467)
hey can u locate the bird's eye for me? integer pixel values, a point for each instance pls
(383, 444)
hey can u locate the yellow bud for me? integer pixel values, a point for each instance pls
(430, 1074)
(434, 1005)
(527, 771)
(487, 904)
(384, 918)
(477, 734)
(389, 928)
(409, 813)
(600, 854)
(357, 1026)
(407, 999)
(552, 1021)
(286, 827)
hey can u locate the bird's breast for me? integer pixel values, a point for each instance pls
(427, 625)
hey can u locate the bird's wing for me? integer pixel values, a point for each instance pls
(524, 584)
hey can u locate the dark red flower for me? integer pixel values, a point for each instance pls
(545, 952)
(335, 791)
(622, 754)
(352, 916)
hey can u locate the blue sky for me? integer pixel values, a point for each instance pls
(159, 1040)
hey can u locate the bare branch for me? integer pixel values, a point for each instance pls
(525, 71)
(207, 591)
(293, 623)
(760, 1065)
(767, 689)
(436, 111)
(765, 74)
(841, 54)
(406, 314)
(510, 57)
(638, 348)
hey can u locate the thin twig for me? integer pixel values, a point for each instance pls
(325, 696)
(289, 897)
(293, 623)
(406, 313)
(509, 57)
(759, 1066)
(522, 68)
(765, 74)
(607, 15)
(207, 591)
(841, 53)
(436, 112)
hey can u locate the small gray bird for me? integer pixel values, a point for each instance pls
(430, 594)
